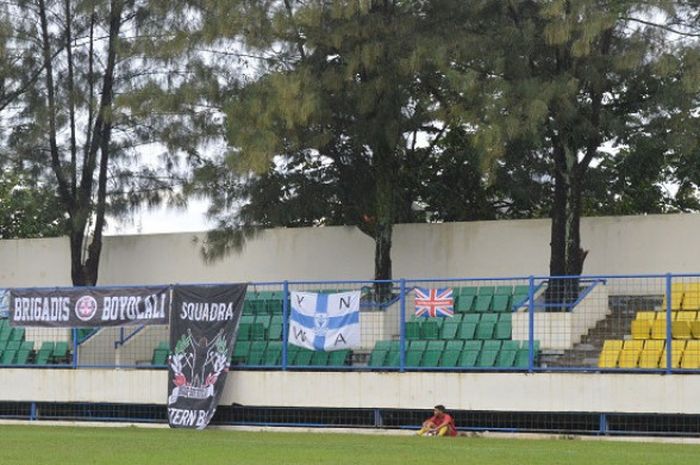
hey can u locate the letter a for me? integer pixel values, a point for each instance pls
(340, 338)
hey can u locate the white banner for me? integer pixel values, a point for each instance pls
(325, 322)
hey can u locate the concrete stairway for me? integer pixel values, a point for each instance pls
(616, 325)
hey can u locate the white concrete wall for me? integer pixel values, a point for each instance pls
(542, 392)
(617, 245)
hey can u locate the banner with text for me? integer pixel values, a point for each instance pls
(325, 322)
(202, 334)
(90, 307)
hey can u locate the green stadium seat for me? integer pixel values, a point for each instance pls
(487, 358)
(414, 354)
(492, 345)
(483, 303)
(468, 358)
(240, 352)
(466, 330)
(505, 358)
(393, 358)
(23, 353)
(275, 332)
(377, 358)
(60, 352)
(501, 304)
(257, 353)
(5, 333)
(518, 301)
(449, 329)
(263, 319)
(17, 334)
(522, 358)
(503, 290)
(386, 345)
(8, 356)
(303, 357)
(257, 332)
(44, 353)
(471, 318)
(429, 329)
(413, 329)
(274, 306)
(473, 345)
(486, 290)
(485, 330)
(489, 318)
(339, 358)
(464, 303)
(244, 327)
(431, 356)
(449, 358)
(467, 290)
(163, 345)
(503, 330)
(160, 357)
(319, 358)
(510, 345)
(273, 354)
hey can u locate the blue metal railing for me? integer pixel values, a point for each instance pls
(657, 285)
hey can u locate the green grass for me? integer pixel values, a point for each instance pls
(53, 445)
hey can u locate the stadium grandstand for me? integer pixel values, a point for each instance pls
(620, 357)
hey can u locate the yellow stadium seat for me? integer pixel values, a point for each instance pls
(634, 344)
(608, 358)
(612, 344)
(654, 344)
(675, 358)
(691, 346)
(690, 360)
(641, 329)
(658, 329)
(629, 358)
(649, 359)
(646, 315)
(691, 296)
(680, 329)
(676, 300)
(687, 316)
(695, 329)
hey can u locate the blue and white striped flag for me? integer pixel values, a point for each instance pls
(325, 322)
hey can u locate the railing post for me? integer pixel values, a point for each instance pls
(531, 324)
(669, 333)
(285, 324)
(402, 327)
(75, 347)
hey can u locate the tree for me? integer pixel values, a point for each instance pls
(577, 80)
(340, 104)
(28, 211)
(112, 86)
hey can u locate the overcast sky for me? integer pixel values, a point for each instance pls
(163, 220)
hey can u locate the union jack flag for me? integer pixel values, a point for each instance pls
(434, 302)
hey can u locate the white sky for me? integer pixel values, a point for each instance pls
(163, 220)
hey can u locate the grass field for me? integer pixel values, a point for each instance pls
(55, 445)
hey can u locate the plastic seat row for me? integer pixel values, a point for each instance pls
(684, 325)
(22, 353)
(685, 296)
(453, 354)
(649, 354)
(260, 327)
(489, 326)
(263, 353)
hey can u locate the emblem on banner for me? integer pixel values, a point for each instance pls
(85, 308)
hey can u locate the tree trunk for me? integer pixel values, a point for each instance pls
(566, 256)
(385, 223)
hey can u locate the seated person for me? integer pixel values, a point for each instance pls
(440, 424)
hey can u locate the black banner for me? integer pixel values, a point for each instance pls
(202, 333)
(89, 307)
